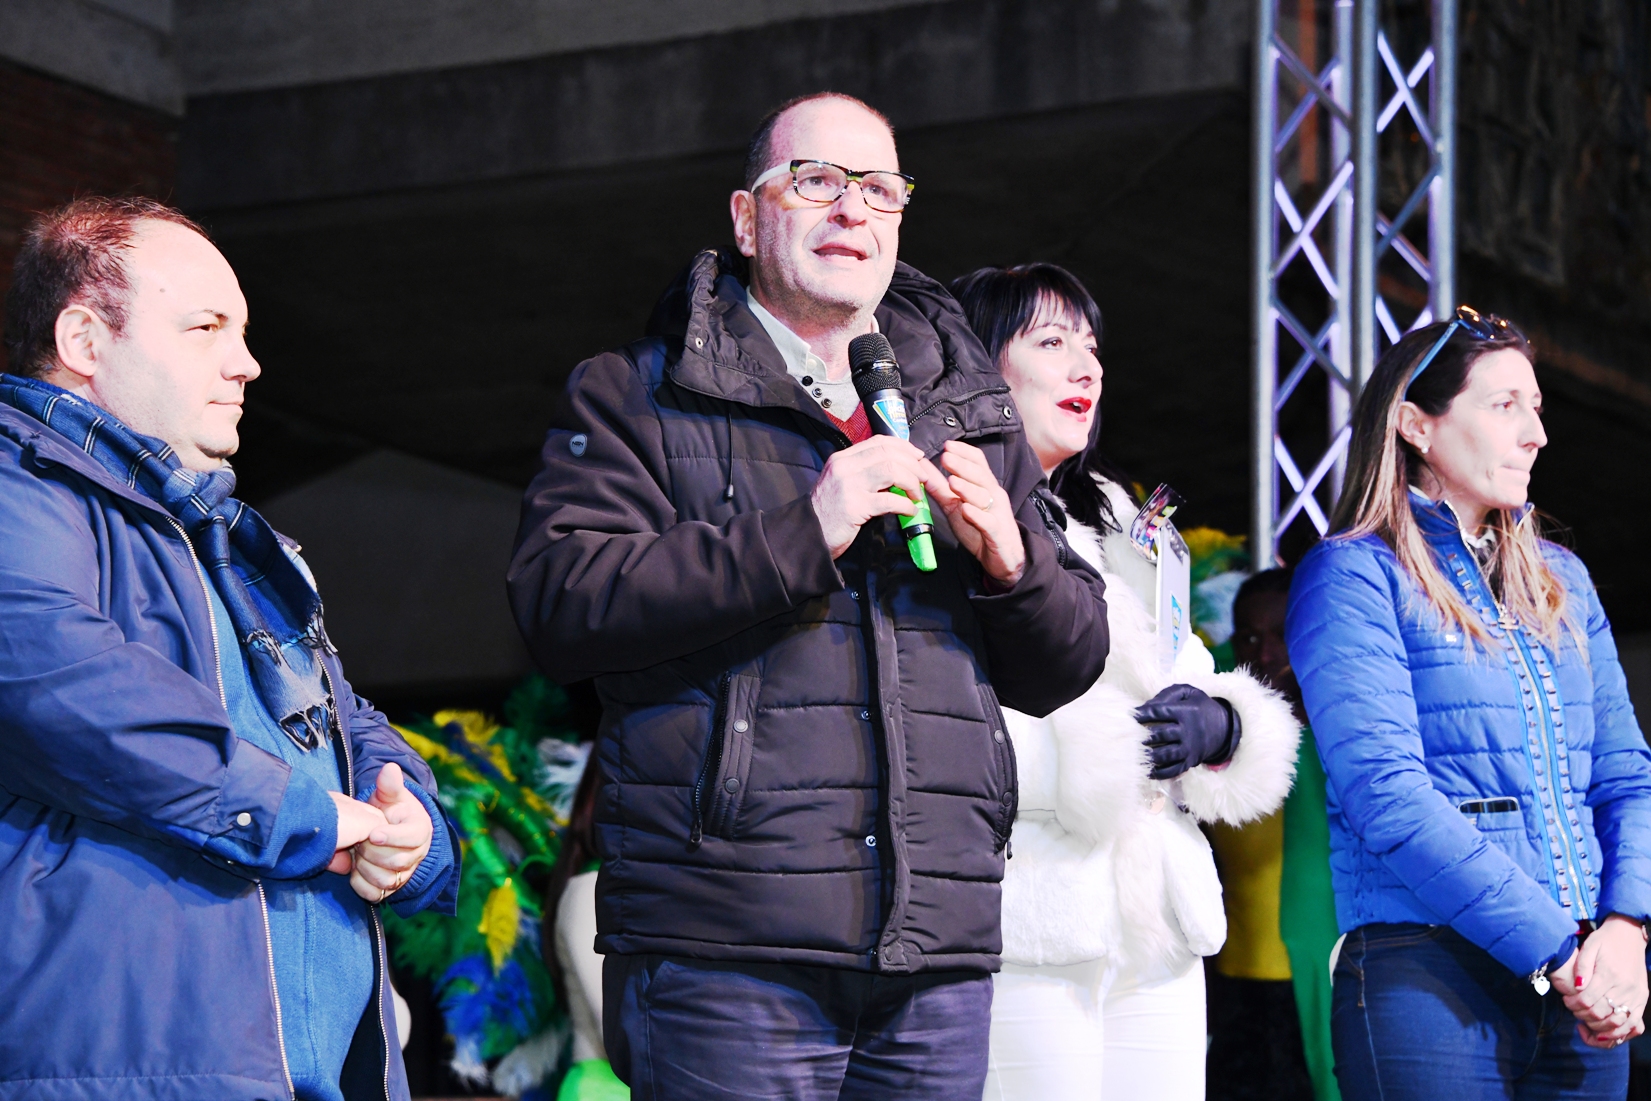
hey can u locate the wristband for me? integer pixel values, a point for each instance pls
(1235, 731)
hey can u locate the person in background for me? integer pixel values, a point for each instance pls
(569, 947)
(1111, 898)
(1298, 905)
(199, 820)
(1255, 1039)
(1489, 790)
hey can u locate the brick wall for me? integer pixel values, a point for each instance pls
(59, 140)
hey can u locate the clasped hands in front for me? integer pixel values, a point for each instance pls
(1604, 983)
(858, 482)
(381, 841)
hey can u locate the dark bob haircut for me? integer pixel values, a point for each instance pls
(1002, 303)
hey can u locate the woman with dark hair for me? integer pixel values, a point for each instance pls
(1111, 898)
(1489, 788)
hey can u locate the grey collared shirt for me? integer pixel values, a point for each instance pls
(837, 398)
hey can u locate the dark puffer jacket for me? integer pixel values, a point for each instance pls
(805, 759)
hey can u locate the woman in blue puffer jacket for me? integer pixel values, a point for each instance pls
(1489, 789)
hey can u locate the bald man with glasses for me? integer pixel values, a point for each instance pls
(807, 788)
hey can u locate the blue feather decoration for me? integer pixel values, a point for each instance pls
(478, 1004)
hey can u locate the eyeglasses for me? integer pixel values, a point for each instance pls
(1471, 321)
(823, 182)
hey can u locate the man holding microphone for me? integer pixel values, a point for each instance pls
(808, 790)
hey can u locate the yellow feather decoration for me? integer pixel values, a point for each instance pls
(431, 750)
(478, 731)
(501, 919)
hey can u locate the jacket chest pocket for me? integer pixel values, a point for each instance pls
(1501, 819)
(1495, 815)
(719, 789)
(1003, 758)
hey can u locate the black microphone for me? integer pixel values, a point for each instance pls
(876, 376)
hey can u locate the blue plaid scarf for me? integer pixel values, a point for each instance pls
(275, 608)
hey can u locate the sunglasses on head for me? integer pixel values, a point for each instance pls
(1479, 326)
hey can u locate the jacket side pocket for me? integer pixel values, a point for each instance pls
(699, 797)
(739, 726)
(1003, 750)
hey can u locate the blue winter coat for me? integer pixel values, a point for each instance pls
(1419, 733)
(133, 964)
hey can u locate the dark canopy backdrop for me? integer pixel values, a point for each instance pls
(437, 212)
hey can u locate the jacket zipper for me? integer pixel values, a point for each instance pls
(380, 947)
(274, 993)
(1550, 748)
(211, 618)
(1011, 797)
(712, 761)
(346, 767)
(1055, 532)
(263, 900)
(1550, 754)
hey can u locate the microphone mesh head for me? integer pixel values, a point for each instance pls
(872, 364)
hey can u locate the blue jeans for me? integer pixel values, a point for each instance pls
(678, 1028)
(1421, 1014)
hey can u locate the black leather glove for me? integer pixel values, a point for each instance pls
(1188, 729)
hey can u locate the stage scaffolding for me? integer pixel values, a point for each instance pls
(1353, 138)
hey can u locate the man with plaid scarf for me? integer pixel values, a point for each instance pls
(198, 819)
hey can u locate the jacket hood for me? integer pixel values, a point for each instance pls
(951, 384)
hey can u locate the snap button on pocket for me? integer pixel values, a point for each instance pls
(741, 726)
(997, 736)
(731, 784)
(951, 422)
(578, 443)
(243, 819)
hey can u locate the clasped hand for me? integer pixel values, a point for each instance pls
(857, 486)
(1604, 983)
(381, 841)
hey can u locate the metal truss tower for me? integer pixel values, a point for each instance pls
(1353, 136)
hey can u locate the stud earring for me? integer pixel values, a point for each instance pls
(1425, 447)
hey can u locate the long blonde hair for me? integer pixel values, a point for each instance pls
(1382, 467)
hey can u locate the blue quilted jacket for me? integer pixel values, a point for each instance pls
(1506, 793)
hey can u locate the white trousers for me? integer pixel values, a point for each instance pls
(1091, 1032)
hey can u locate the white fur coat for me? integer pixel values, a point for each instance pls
(1105, 863)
